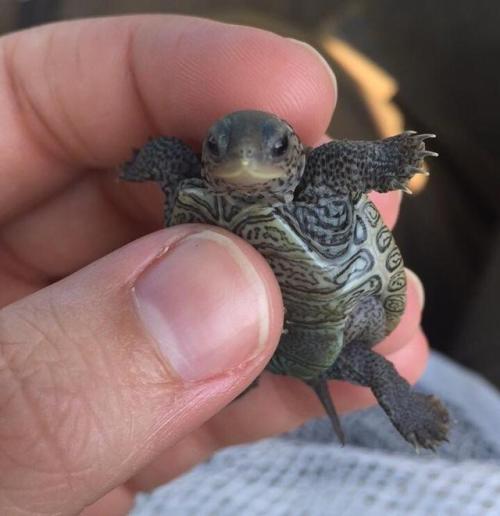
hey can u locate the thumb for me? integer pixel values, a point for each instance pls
(104, 369)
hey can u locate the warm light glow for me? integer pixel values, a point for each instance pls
(378, 89)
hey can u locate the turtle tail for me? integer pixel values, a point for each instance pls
(320, 387)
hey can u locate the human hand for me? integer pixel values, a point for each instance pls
(92, 406)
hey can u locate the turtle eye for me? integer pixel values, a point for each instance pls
(279, 148)
(213, 146)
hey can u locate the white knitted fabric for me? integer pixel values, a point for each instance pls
(307, 473)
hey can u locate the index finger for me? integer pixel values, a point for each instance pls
(79, 95)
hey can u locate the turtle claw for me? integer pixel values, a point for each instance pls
(429, 425)
(422, 171)
(412, 155)
(406, 190)
(425, 136)
(427, 153)
(412, 439)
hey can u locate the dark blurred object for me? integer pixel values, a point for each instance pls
(8, 11)
(444, 56)
(35, 12)
(477, 343)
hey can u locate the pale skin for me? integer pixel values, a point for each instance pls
(89, 410)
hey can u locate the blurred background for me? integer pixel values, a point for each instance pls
(429, 66)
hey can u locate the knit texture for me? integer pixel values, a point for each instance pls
(306, 472)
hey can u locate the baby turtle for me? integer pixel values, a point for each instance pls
(306, 211)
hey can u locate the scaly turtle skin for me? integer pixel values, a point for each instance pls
(306, 211)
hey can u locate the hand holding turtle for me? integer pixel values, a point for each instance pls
(305, 210)
(92, 402)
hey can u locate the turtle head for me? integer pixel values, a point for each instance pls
(253, 153)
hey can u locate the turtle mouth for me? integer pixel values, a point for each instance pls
(247, 172)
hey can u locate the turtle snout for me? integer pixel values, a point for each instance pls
(246, 152)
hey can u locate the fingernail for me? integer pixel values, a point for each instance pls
(418, 286)
(205, 305)
(320, 57)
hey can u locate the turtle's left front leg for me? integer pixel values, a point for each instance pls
(392, 162)
(344, 167)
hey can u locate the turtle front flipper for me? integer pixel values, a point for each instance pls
(347, 168)
(165, 160)
(421, 419)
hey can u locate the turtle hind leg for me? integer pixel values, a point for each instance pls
(421, 419)
(320, 387)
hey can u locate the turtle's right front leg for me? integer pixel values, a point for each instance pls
(162, 159)
(165, 160)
